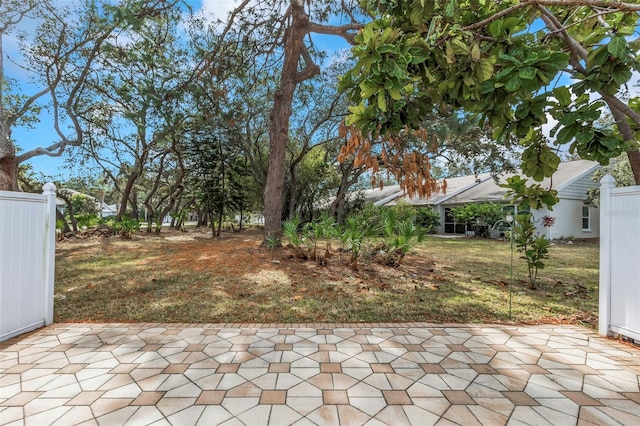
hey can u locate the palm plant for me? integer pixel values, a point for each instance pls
(312, 233)
(353, 235)
(399, 237)
(328, 225)
(296, 239)
(271, 241)
(323, 228)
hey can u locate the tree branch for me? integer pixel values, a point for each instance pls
(208, 59)
(578, 51)
(613, 5)
(346, 9)
(54, 150)
(497, 15)
(610, 4)
(344, 31)
(616, 104)
(311, 69)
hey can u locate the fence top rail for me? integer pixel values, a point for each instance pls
(22, 196)
(626, 190)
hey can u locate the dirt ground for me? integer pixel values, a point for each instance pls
(241, 252)
(234, 267)
(193, 277)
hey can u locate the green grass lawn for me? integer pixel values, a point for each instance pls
(478, 285)
(177, 278)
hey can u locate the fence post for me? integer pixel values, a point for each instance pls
(49, 191)
(607, 183)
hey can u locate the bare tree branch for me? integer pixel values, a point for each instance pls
(610, 4)
(347, 32)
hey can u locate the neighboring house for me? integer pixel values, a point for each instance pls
(572, 217)
(105, 210)
(70, 193)
(371, 196)
(108, 210)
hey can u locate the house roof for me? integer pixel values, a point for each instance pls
(72, 192)
(454, 186)
(105, 208)
(490, 190)
(109, 208)
(376, 195)
(484, 187)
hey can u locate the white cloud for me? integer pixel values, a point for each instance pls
(218, 8)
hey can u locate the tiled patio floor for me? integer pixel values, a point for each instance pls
(317, 374)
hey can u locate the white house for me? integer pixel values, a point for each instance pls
(104, 210)
(107, 210)
(572, 217)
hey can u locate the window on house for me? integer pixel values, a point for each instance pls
(586, 218)
(509, 210)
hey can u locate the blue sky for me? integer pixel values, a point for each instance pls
(43, 133)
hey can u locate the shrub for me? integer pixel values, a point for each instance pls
(478, 217)
(83, 204)
(395, 226)
(126, 227)
(534, 249)
(87, 220)
(271, 241)
(427, 218)
(399, 233)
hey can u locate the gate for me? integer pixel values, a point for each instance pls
(619, 259)
(27, 260)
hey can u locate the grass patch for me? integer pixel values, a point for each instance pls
(200, 279)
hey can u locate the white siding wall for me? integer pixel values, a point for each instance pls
(27, 245)
(568, 220)
(568, 212)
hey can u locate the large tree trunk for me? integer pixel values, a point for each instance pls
(349, 177)
(66, 197)
(124, 201)
(634, 161)
(8, 167)
(220, 218)
(202, 218)
(60, 217)
(627, 133)
(280, 115)
(293, 193)
(8, 161)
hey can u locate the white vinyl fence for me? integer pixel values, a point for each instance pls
(27, 260)
(619, 259)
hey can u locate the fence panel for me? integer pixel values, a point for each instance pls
(27, 260)
(620, 260)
